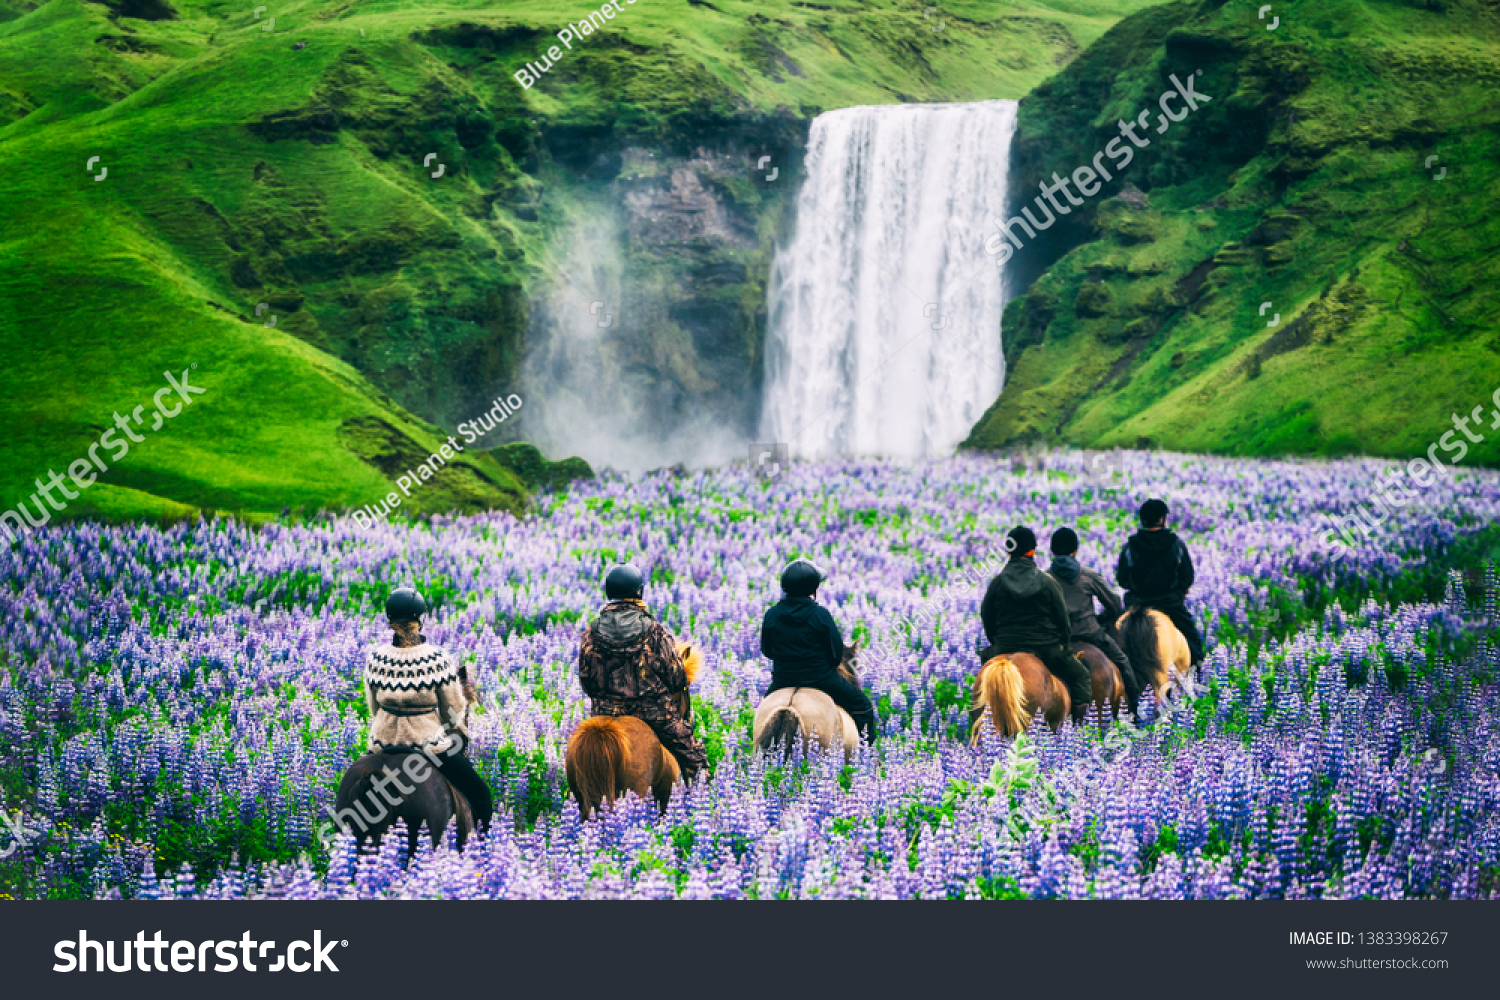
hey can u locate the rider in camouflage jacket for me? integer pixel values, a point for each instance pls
(629, 665)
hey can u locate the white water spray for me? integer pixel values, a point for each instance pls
(590, 394)
(883, 333)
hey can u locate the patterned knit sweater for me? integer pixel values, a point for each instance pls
(412, 691)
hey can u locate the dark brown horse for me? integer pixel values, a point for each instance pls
(609, 755)
(381, 788)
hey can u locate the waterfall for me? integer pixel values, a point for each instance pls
(883, 327)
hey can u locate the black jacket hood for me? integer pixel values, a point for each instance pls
(1021, 578)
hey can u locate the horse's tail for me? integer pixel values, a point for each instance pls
(1002, 688)
(1142, 646)
(595, 754)
(782, 730)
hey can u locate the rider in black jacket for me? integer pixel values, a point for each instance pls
(1024, 611)
(805, 646)
(1156, 571)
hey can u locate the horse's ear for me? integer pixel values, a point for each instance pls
(692, 661)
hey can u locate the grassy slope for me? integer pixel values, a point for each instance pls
(228, 185)
(1302, 184)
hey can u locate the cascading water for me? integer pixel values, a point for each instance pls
(883, 330)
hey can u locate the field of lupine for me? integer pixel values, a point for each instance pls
(176, 706)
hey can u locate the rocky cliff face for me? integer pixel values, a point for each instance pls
(645, 344)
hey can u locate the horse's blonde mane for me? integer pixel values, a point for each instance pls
(692, 660)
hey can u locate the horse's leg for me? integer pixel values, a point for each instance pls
(463, 814)
(666, 774)
(1060, 701)
(977, 706)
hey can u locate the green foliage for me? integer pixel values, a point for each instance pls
(539, 776)
(999, 887)
(532, 467)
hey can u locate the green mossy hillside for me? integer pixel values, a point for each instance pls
(277, 176)
(1306, 264)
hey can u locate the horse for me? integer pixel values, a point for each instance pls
(1104, 676)
(431, 801)
(788, 713)
(609, 755)
(1013, 686)
(1153, 644)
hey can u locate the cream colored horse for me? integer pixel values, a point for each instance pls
(789, 713)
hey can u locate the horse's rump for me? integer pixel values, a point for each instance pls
(595, 757)
(1001, 688)
(781, 731)
(1142, 645)
(1149, 638)
(809, 713)
(433, 802)
(1104, 677)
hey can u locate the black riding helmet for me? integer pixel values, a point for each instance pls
(1153, 511)
(404, 605)
(1064, 542)
(624, 582)
(801, 578)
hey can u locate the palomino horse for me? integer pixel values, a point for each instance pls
(1013, 686)
(788, 713)
(609, 755)
(1153, 645)
(432, 800)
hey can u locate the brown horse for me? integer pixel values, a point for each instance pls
(1108, 685)
(1013, 686)
(790, 713)
(1154, 645)
(609, 755)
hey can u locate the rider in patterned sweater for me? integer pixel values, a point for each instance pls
(419, 698)
(628, 664)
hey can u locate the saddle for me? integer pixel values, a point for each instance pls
(988, 653)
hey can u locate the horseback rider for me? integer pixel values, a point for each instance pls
(1024, 611)
(805, 646)
(628, 664)
(1080, 586)
(1156, 572)
(418, 696)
